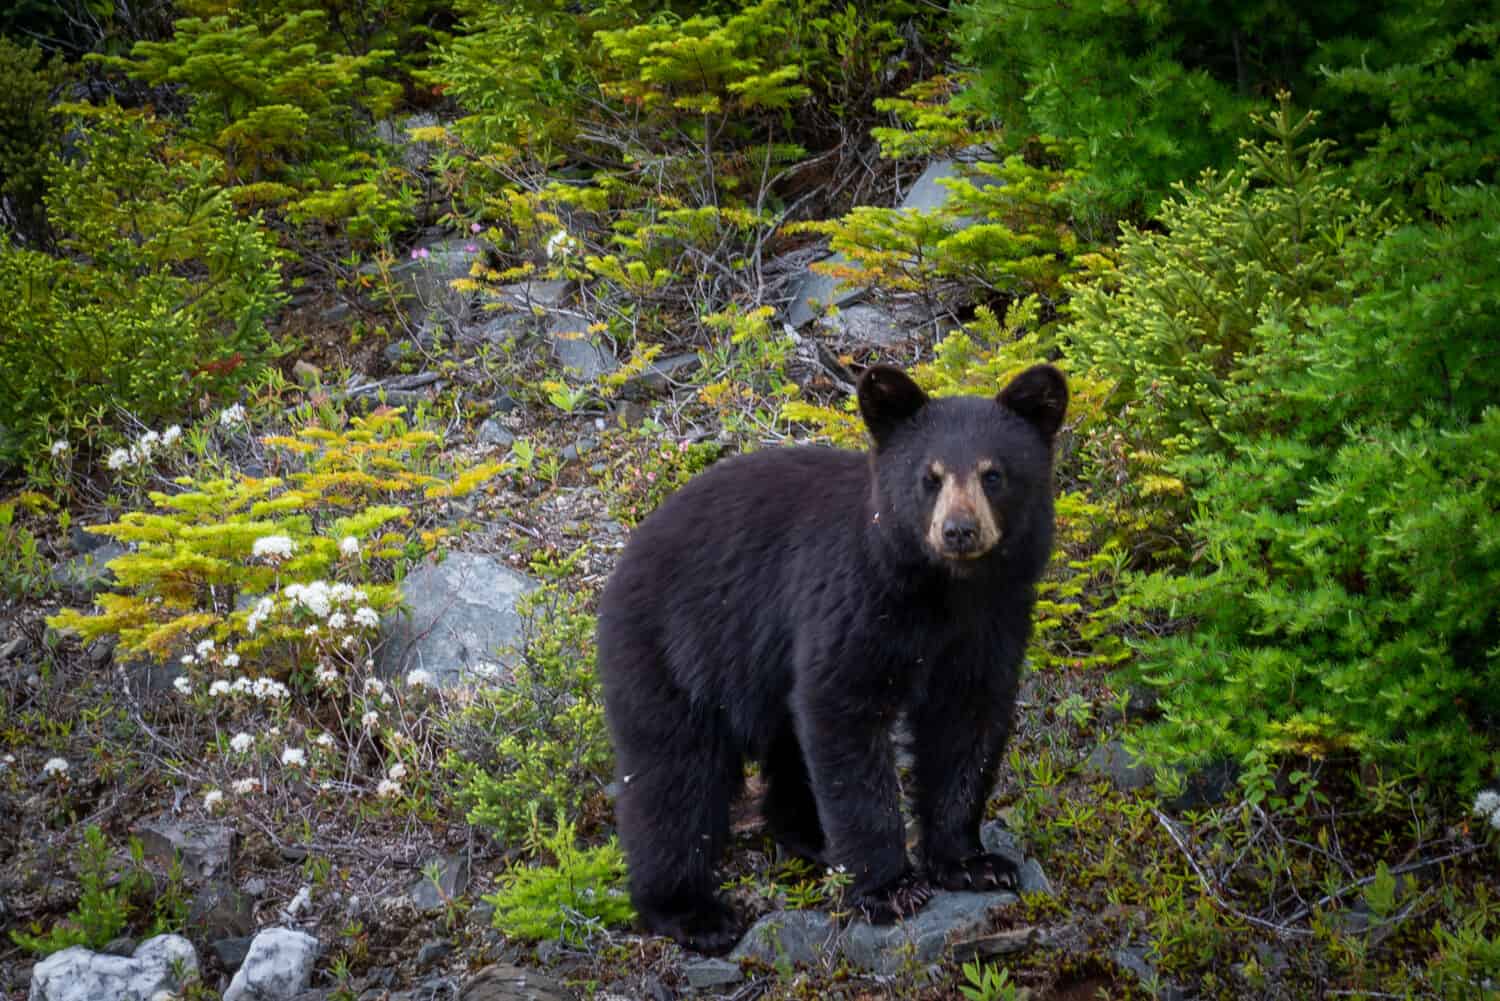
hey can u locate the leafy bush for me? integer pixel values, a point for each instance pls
(104, 905)
(536, 744)
(285, 118)
(1322, 386)
(1149, 94)
(580, 892)
(29, 137)
(265, 562)
(161, 297)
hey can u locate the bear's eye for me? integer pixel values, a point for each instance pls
(992, 477)
(932, 480)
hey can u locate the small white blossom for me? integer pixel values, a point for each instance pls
(420, 678)
(204, 648)
(183, 685)
(243, 686)
(388, 789)
(324, 740)
(231, 660)
(267, 688)
(244, 787)
(311, 630)
(188, 659)
(59, 447)
(293, 757)
(230, 416)
(118, 459)
(347, 641)
(396, 772)
(349, 547)
(148, 441)
(374, 686)
(55, 766)
(337, 621)
(343, 593)
(367, 617)
(273, 548)
(263, 608)
(241, 742)
(327, 676)
(211, 799)
(369, 719)
(560, 243)
(170, 435)
(1487, 804)
(219, 688)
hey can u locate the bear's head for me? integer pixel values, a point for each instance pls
(966, 479)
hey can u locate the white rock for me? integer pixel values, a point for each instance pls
(278, 966)
(77, 974)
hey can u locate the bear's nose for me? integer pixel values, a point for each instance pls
(960, 533)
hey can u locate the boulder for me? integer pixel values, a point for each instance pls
(277, 967)
(460, 617)
(206, 848)
(76, 974)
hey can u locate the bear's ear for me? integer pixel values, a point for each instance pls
(1039, 394)
(887, 398)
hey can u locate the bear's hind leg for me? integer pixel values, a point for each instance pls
(677, 784)
(789, 809)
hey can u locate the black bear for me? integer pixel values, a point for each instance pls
(787, 606)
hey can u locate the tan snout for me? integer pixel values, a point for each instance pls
(963, 525)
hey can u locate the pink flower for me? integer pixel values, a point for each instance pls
(471, 248)
(474, 227)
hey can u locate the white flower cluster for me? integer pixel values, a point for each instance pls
(263, 689)
(349, 547)
(241, 742)
(273, 548)
(55, 766)
(420, 678)
(138, 454)
(293, 757)
(231, 416)
(561, 244)
(1487, 805)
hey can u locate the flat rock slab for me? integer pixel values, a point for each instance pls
(512, 983)
(76, 974)
(87, 574)
(810, 936)
(278, 967)
(206, 848)
(575, 350)
(460, 617)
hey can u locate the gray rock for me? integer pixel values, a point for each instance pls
(865, 324)
(927, 194)
(277, 967)
(76, 974)
(574, 349)
(87, 574)
(122, 946)
(452, 882)
(430, 301)
(504, 403)
(659, 375)
(526, 296)
(414, 155)
(206, 848)
(502, 982)
(461, 616)
(788, 937)
(219, 911)
(885, 949)
(1113, 761)
(83, 541)
(432, 951)
(1206, 785)
(231, 952)
(1029, 875)
(704, 974)
(492, 432)
(811, 936)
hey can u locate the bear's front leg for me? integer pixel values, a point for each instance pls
(960, 732)
(852, 768)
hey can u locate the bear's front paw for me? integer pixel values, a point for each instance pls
(901, 899)
(984, 871)
(712, 929)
